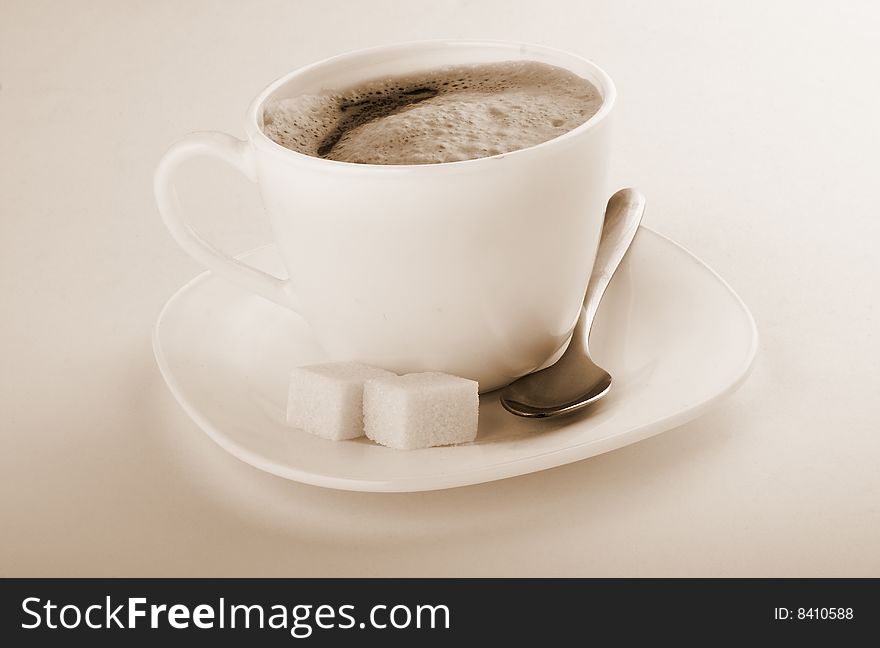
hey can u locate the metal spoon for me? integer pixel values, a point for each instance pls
(574, 381)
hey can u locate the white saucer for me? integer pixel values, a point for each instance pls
(673, 334)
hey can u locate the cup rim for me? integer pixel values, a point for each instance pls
(258, 138)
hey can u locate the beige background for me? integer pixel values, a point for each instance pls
(752, 130)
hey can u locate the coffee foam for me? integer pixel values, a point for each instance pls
(443, 115)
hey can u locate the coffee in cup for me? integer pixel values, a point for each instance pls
(447, 114)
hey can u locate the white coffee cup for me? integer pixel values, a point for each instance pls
(476, 268)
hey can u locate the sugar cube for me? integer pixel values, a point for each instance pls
(327, 399)
(420, 410)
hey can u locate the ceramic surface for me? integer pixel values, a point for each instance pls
(673, 334)
(478, 238)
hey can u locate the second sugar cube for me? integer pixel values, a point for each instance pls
(420, 410)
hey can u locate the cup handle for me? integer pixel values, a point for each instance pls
(239, 154)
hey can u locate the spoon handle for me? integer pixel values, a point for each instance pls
(622, 218)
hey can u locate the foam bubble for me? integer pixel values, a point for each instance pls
(444, 115)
